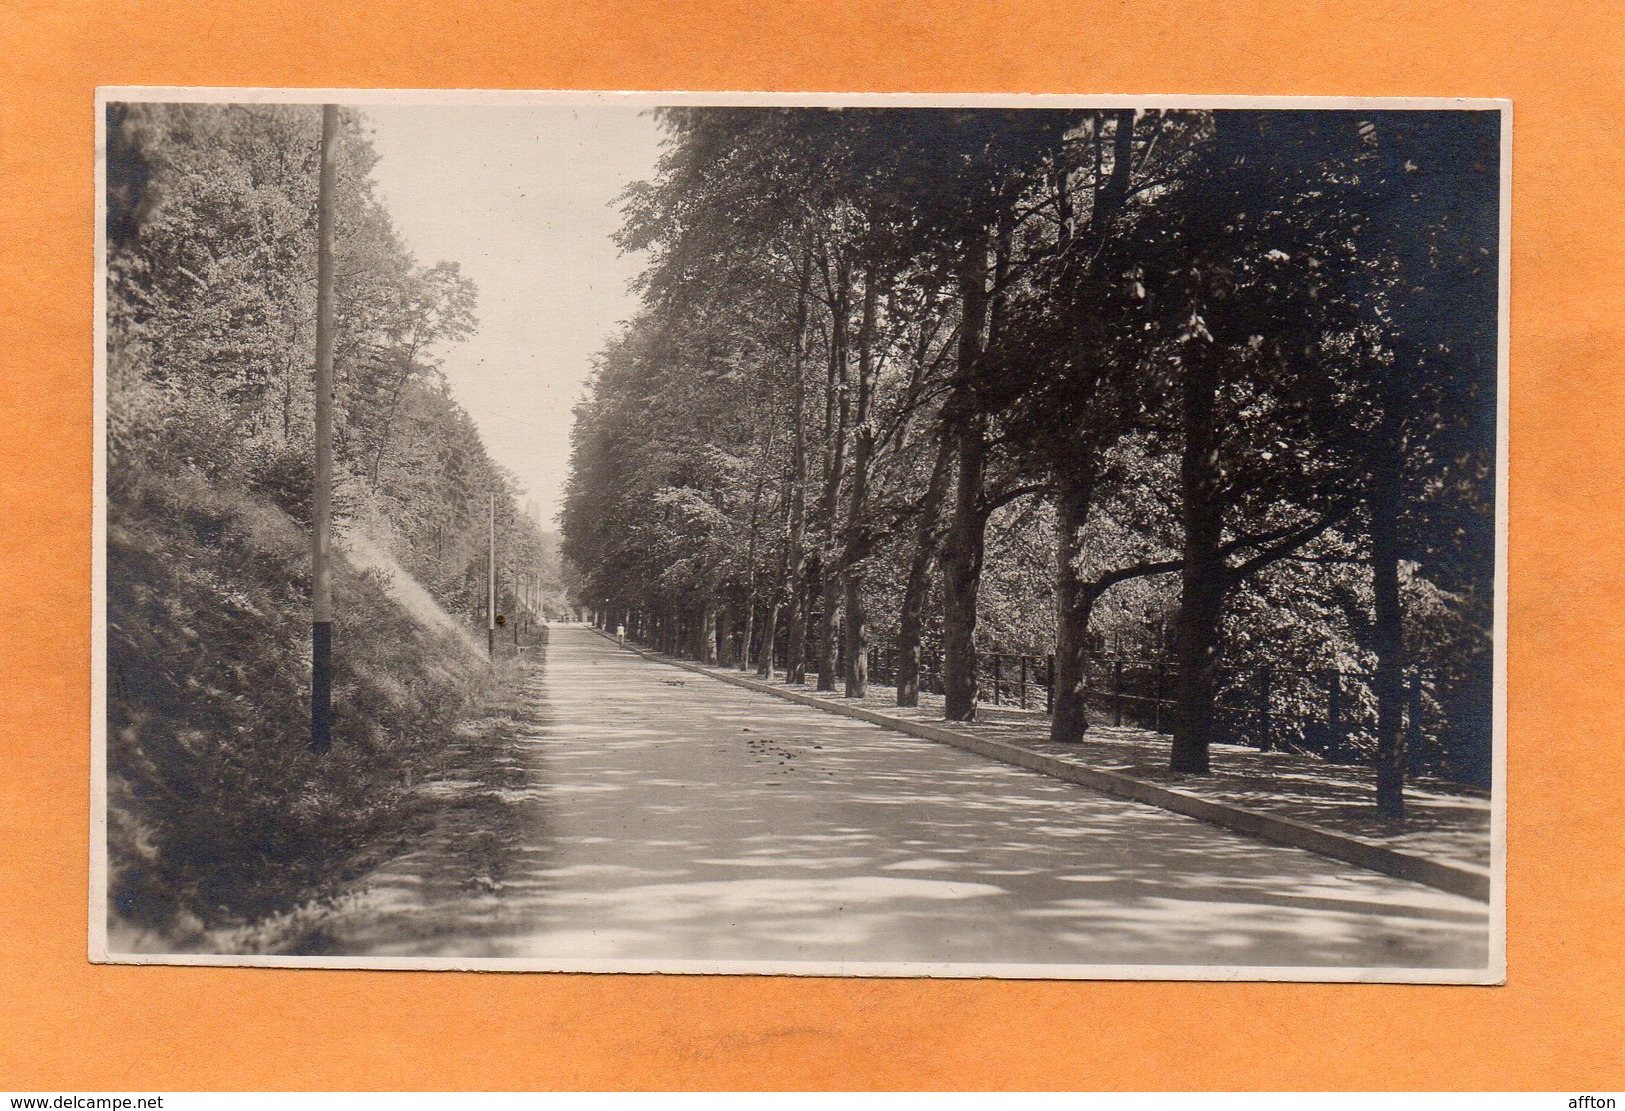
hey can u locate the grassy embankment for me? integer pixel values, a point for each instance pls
(223, 830)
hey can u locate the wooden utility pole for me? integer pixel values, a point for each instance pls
(321, 533)
(491, 586)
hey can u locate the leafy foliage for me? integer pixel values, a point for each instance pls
(218, 815)
(1173, 362)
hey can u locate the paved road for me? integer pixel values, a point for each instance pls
(654, 815)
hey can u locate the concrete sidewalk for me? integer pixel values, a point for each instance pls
(1444, 841)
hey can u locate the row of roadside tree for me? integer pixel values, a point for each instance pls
(1217, 387)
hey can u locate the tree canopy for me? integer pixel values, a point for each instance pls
(1212, 388)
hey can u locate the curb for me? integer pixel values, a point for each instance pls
(1452, 878)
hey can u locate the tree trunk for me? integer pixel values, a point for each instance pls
(961, 577)
(1074, 598)
(796, 632)
(910, 617)
(744, 656)
(908, 643)
(1205, 579)
(707, 653)
(1388, 634)
(837, 415)
(764, 654)
(857, 640)
(725, 636)
(962, 554)
(829, 624)
(1074, 604)
(857, 547)
(799, 663)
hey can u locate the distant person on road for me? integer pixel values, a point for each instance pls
(620, 633)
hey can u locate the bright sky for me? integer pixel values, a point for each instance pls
(523, 198)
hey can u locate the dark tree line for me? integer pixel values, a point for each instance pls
(1230, 375)
(211, 302)
(219, 816)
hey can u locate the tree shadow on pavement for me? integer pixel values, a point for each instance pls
(641, 819)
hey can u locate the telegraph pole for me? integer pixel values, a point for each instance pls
(491, 586)
(321, 533)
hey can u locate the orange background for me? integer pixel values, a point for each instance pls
(67, 1025)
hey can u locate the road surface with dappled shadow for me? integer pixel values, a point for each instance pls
(649, 814)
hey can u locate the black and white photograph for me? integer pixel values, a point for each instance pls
(967, 536)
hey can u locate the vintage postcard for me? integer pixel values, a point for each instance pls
(813, 535)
